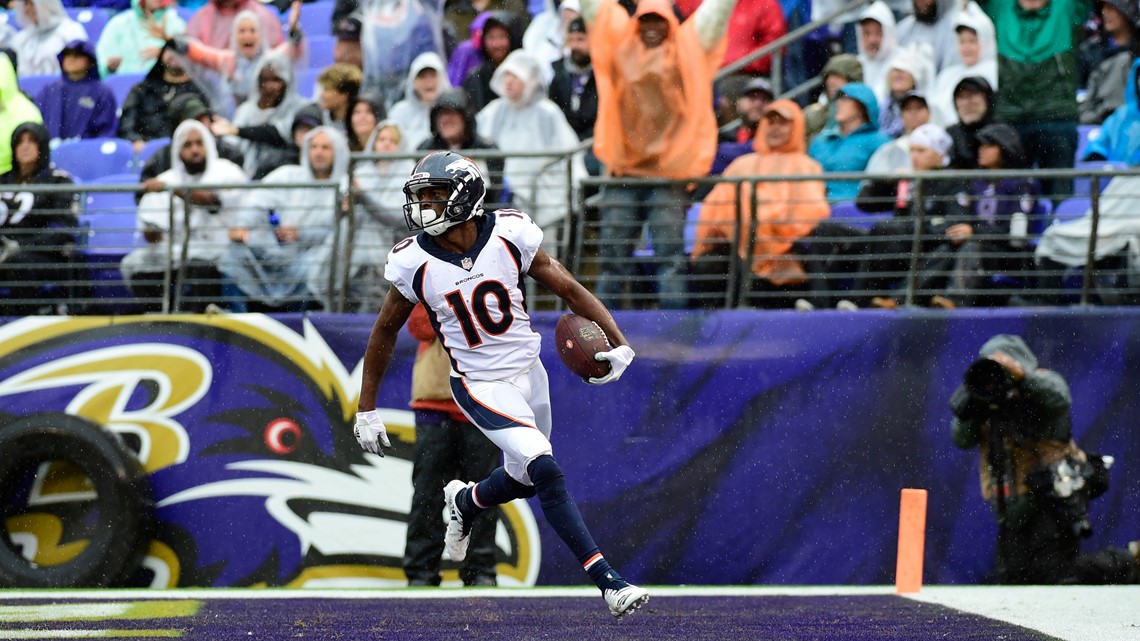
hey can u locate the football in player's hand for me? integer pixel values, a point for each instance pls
(578, 339)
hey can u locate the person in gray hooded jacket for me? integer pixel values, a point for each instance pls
(275, 251)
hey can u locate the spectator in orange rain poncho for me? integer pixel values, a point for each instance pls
(655, 120)
(785, 212)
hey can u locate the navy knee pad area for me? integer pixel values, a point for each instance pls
(549, 483)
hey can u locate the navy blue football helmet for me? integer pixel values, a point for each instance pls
(462, 180)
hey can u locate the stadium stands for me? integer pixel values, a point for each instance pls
(121, 84)
(321, 51)
(110, 216)
(1071, 209)
(93, 19)
(108, 224)
(307, 82)
(848, 213)
(1085, 133)
(316, 18)
(1083, 186)
(86, 160)
(148, 150)
(33, 85)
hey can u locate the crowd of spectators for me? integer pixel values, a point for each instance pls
(907, 87)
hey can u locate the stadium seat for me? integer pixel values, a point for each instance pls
(1083, 186)
(109, 217)
(692, 221)
(1085, 133)
(1041, 217)
(110, 233)
(307, 82)
(89, 159)
(121, 85)
(185, 12)
(33, 85)
(321, 51)
(316, 18)
(149, 150)
(93, 20)
(1071, 209)
(848, 213)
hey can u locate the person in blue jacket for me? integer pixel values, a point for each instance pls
(78, 105)
(1119, 139)
(847, 145)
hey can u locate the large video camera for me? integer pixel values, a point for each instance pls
(990, 383)
(986, 392)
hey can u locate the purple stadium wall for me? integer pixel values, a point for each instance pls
(741, 447)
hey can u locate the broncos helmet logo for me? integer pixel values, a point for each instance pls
(244, 425)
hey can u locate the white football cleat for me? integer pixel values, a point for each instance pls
(625, 600)
(457, 537)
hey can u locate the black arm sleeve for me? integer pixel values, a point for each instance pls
(264, 134)
(877, 195)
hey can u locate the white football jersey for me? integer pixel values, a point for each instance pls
(476, 300)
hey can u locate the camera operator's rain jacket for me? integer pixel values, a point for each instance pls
(1035, 420)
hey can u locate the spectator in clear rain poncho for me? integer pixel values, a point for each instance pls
(249, 45)
(977, 47)
(546, 35)
(126, 45)
(44, 30)
(262, 124)
(932, 22)
(213, 23)
(207, 214)
(392, 34)
(276, 250)
(426, 80)
(524, 119)
(378, 190)
(876, 43)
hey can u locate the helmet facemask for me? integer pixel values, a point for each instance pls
(431, 216)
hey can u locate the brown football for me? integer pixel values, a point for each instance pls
(578, 339)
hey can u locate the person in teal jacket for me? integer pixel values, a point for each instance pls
(1037, 65)
(1119, 139)
(848, 144)
(15, 110)
(127, 45)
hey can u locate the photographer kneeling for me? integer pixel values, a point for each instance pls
(1037, 480)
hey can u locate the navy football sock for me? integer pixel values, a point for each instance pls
(562, 514)
(496, 489)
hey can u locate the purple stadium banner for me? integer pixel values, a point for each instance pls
(740, 447)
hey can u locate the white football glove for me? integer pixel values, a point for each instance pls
(370, 432)
(619, 359)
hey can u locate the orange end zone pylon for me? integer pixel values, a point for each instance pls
(912, 540)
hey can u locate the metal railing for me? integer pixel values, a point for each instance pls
(839, 255)
(905, 259)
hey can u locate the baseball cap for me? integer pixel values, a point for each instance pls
(973, 83)
(913, 95)
(758, 84)
(188, 107)
(933, 137)
(347, 29)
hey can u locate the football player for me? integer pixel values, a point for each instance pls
(467, 267)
